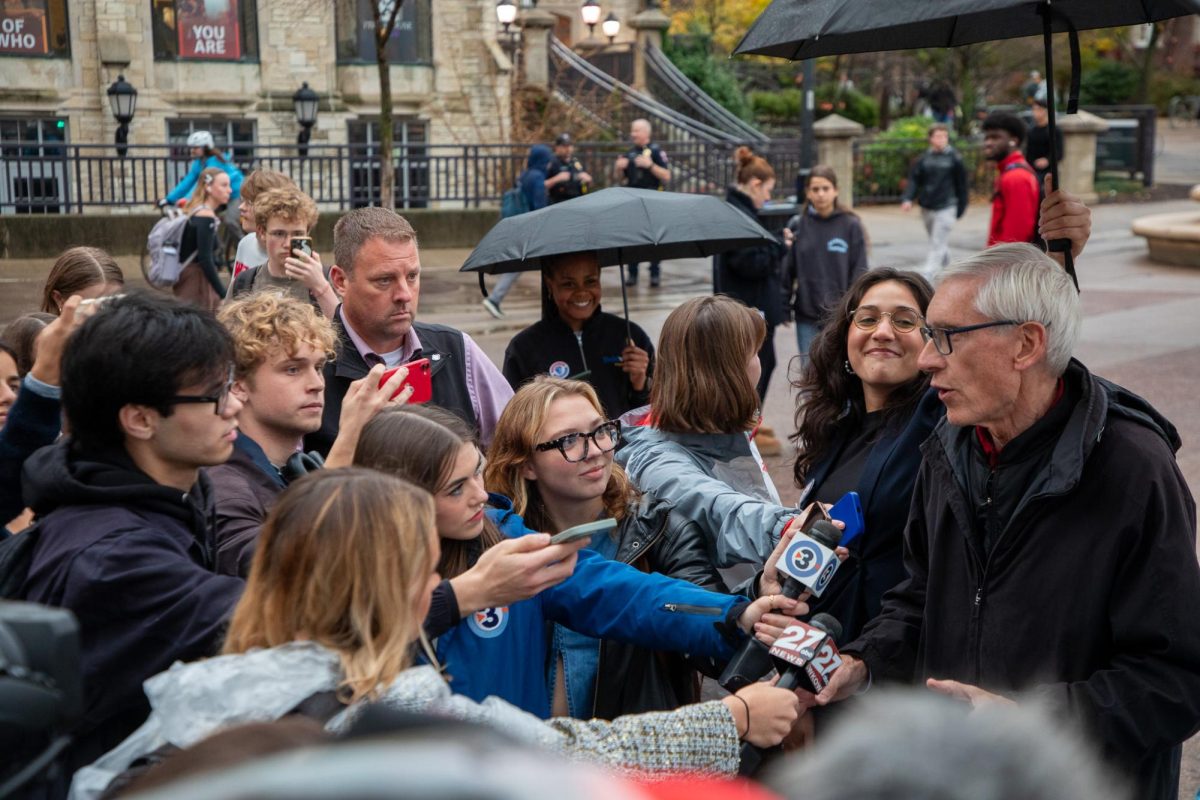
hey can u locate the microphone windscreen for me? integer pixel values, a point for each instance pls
(826, 533)
(827, 623)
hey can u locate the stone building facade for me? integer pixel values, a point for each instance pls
(451, 74)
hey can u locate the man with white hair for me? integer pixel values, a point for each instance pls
(1051, 539)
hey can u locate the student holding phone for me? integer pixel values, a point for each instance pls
(283, 219)
(502, 648)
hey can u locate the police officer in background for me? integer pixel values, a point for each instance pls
(565, 177)
(644, 167)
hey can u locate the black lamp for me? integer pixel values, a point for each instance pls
(122, 98)
(305, 101)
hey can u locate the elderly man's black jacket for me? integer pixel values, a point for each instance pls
(1088, 597)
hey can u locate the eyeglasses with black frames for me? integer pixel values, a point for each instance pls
(941, 336)
(574, 446)
(219, 400)
(904, 320)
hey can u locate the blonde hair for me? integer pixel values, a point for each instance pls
(289, 203)
(264, 322)
(262, 180)
(420, 444)
(700, 380)
(199, 194)
(341, 561)
(514, 442)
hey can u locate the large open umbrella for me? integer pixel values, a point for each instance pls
(621, 226)
(802, 29)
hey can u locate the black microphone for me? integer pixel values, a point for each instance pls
(752, 660)
(807, 653)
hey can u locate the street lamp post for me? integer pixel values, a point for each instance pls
(306, 102)
(506, 13)
(611, 27)
(590, 11)
(122, 98)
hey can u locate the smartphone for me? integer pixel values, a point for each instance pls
(849, 511)
(420, 375)
(304, 245)
(811, 513)
(584, 531)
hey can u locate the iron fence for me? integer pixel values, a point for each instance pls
(881, 168)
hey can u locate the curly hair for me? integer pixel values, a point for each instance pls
(826, 390)
(265, 322)
(513, 444)
(288, 203)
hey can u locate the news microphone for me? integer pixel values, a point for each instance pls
(807, 653)
(810, 559)
(752, 661)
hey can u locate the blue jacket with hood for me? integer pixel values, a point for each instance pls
(533, 179)
(504, 651)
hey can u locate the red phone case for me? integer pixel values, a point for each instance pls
(419, 377)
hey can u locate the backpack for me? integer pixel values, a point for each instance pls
(16, 554)
(1035, 239)
(514, 202)
(163, 245)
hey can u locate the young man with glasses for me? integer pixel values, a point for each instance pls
(125, 539)
(281, 215)
(1051, 541)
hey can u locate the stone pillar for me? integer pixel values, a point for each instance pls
(835, 148)
(649, 26)
(1077, 162)
(536, 26)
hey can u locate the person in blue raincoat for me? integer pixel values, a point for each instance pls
(204, 155)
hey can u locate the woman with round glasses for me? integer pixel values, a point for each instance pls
(503, 651)
(552, 454)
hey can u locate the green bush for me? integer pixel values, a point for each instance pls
(1109, 84)
(779, 107)
(849, 103)
(692, 56)
(1164, 87)
(881, 171)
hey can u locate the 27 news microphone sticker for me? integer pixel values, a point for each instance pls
(809, 562)
(810, 649)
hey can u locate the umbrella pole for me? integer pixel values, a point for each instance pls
(625, 299)
(1054, 245)
(482, 286)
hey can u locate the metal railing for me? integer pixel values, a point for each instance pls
(881, 167)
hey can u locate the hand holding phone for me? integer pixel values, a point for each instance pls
(587, 530)
(420, 377)
(849, 512)
(302, 244)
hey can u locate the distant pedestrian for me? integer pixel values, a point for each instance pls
(938, 182)
(199, 283)
(1037, 146)
(830, 251)
(532, 184)
(565, 176)
(644, 166)
(1015, 200)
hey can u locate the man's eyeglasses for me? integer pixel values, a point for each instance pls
(941, 336)
(219, 400)
(574, 446)
(904, 320)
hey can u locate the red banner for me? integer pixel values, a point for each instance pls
(22, 31)
(208, 29)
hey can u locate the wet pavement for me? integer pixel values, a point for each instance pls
(1139, 328)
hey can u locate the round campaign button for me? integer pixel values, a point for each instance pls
(489, 622)
(560, 369)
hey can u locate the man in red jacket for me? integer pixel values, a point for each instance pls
(1015, 201)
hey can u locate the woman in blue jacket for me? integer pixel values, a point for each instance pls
(504, 651)
(205, 155)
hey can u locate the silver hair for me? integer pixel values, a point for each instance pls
(1021, 282)
(920, 746)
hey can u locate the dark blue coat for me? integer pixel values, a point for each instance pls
(33, 422)
(885, 486)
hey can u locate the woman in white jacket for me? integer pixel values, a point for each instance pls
(339, 586)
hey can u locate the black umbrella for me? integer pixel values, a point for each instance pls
(802, 29)
(621, 226)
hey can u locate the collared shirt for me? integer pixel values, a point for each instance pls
(488, 389)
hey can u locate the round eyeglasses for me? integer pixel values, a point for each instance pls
(574, 446)
(904, 320)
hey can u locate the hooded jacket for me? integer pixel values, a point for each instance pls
(133, 560)
(751, 274)
(1087, 598)
(193, 701)
(503, 651)
(716, 480)
(533, 179)
(828, 254)
(550, 347)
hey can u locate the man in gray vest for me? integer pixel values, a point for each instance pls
(378, 274)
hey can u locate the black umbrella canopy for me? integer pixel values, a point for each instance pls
(800, 29)
(622, 226)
